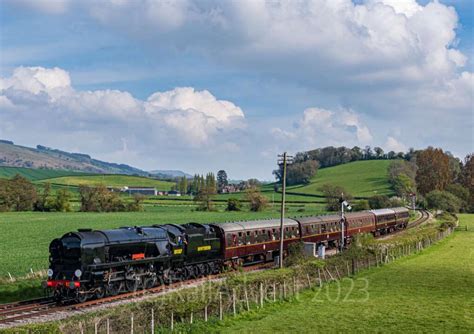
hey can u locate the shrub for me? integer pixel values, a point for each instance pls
(395, 202)
(379, 201)
(361, 205)
(233, 204)
(333, 194)
(443, 200)
(257, 202)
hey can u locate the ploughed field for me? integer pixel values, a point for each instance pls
(428, 292)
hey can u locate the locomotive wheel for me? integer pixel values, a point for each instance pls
(100, 293)
(113, 289)
(81, 296)
(131, 285)
(149, 282)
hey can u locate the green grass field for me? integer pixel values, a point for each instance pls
(360, 178)
(35, 174)
(114, 180)
(428, 292)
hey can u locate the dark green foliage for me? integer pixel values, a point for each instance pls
(233, 204)
(333, 194)
(379, 201)
(361, 205)
(221, 180)
(62, 201)
(443, 200)
(298, 172)
(17, 194)
(433, 171)
(100, 199)
(257, 202)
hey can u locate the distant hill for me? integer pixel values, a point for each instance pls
(43, 157)
(36, 174)
(164, 174)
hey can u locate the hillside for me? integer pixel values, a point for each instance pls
(109, 180)
(34, 174)
(360, 178)
(47, 158)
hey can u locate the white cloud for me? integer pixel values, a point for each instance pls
(393, 144)
(319, 127)
(36, 98)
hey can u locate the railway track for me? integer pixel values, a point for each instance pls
(34, 310)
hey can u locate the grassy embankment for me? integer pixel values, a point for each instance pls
(427, 292)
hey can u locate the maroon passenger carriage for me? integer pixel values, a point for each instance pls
(259, 240)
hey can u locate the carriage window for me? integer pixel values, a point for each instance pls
(323, 228)
(240, 234)
(248, 233)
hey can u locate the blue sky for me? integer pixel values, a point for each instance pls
(206, 85)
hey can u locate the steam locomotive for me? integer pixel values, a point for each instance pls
(95, 263)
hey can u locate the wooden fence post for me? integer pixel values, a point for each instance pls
(233, 302)
(274, 292)
(131, 324)
(247, 299)
(309, 280)
(108, 326)
(261, 294)
(205, 313)
(152, 321)
(220, 305)
(172, 320)
(319, 278)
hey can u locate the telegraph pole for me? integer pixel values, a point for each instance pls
(285, 160)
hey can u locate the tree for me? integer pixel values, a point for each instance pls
(136, 205)
(206, 189)
(460, 192)
(6, 196)
(183, 185)
(257, 202)
(299, 172)
(379, 202)
(403, 185)
(378, 152)
(62, 201)
(23, 193)
(222, 181)
(100, 199)
(433, 170)
(333, 194)
(43, 198)
(361, 205)
(233, 204)
(443, 200)
(367, 152)
(467, 179)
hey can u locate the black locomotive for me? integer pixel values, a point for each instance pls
(93, 263)
(89, 263)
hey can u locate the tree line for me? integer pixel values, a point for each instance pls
(101, 199)
(20, 194)
(306, 164)
(437, 179)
